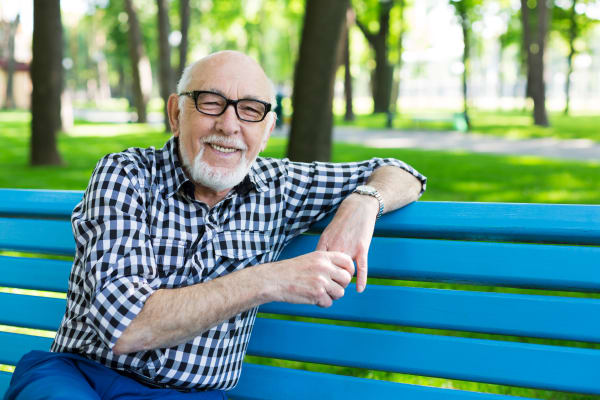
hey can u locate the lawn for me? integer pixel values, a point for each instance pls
(453, 176)
(512, 124)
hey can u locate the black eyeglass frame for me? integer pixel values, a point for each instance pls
(194, 94)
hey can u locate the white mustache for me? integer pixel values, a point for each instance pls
(225, 142)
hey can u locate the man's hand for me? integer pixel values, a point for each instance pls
(314, 278)
(351, 231)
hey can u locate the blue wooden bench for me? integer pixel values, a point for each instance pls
(444, 303)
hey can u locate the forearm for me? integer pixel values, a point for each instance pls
(173, 316)
(396, 186)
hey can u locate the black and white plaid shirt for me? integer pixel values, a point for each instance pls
(139, 229)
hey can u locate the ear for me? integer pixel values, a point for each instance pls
(174, 113)
(267, 135)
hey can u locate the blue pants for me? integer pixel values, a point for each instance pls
(46, 375)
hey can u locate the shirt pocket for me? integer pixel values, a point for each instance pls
(171, 260)
(246, 247)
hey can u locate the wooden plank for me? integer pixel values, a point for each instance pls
(274, 383)
(480, 263)
(50, 275)
(15, 346)
(37, 236)
(39, 203)
(550, 317)
(505, 363)
(31, 311)
(513, 222)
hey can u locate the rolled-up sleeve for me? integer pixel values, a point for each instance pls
(313, 190)
(114, 248)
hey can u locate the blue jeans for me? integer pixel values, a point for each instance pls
(46, 375)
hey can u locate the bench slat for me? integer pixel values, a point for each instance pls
(550, 317)
(536, 223)
(513, 222)
(38, 236)
(503, 264)
(506, 363)
(14, 346)
(272, 383)
(508, 314)
(31, 311)
(41, 203)
(51, 275)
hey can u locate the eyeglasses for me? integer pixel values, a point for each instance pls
(211, 103)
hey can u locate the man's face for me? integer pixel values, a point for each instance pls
(218, 151)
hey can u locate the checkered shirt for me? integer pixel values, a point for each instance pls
(139, 229)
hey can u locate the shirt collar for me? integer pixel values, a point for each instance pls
(175, 176)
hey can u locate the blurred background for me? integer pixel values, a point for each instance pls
(495, 100)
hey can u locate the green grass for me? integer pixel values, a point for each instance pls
(453, 176)
(511, 124)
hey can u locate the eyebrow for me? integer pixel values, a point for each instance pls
(249, 97)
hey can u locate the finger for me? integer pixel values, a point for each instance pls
(341, 276)
(335, 291)
(342, 260)
(362, 270)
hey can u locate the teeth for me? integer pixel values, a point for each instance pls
(223, 149)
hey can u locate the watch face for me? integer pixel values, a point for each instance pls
(365, 189)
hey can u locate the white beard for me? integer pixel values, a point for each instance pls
(217, 178)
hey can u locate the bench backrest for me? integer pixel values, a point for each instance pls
(443, 304)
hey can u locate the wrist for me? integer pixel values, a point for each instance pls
(369, 191)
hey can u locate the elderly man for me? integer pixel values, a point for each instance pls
(176, 247)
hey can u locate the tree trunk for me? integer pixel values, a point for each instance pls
(310, 135)
(10, 66)
(349, 115)
(382, 76)
(395, 95)
(572, 37)
(184, 14)
(535, 41)
(164, 58)
(139, 63)
(464, 22)
(46, 78)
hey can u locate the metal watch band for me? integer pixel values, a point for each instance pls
(371, 191)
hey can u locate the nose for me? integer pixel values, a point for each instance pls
(228, 123)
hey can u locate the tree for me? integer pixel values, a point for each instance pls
(535, 19)
(142, 76)
(383, 74)
(571, 24)
(10, 66)
(166, 81)
(184, 18)
(349, 114)
(466, 11)
(310, 135)
(46, 77)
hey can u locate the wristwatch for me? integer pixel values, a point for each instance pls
(371, 191)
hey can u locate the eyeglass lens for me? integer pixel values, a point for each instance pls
(214, 104)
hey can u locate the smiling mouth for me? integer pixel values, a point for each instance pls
(223, 149)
